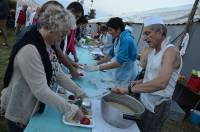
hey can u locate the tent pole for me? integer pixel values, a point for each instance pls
(179, 35)
(140, 34)
(189, 22)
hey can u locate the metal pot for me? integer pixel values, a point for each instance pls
(117, 117)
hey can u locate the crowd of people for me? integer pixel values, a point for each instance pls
(41, 46)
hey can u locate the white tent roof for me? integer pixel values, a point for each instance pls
(173, 15)
(41, 2)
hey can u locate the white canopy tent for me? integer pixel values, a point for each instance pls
(173, 15)
(41, 2)
(176, 18)
(35, 3)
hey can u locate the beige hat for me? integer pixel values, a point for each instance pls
(153, 20)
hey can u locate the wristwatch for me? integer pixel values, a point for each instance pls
(129, 90)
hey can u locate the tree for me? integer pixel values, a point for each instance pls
(92, 14)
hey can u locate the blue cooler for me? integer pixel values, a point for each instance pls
(195, 115)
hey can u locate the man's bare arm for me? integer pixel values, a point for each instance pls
(161, 82)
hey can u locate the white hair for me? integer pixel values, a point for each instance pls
(56, 19)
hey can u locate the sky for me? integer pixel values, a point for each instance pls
(115, 7)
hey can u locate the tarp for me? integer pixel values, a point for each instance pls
(41, 2)
(172, 15)
(177, 18)
(35, 3)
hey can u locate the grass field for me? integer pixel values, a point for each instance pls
(4, 54)
(170, 126)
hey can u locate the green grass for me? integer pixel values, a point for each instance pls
(4, 55)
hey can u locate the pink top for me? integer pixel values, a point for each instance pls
(71, 44)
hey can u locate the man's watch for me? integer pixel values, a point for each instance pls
(129, 90)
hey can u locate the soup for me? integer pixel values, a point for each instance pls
(121, 107)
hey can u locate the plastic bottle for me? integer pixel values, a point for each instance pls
(194, 74)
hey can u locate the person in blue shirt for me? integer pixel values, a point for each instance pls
(122, 57)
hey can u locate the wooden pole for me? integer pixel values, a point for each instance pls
(189, 22)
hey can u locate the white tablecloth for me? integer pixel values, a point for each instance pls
(102, 126)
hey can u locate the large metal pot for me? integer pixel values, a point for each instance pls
(117, 117)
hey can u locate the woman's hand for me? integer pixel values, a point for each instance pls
(119, 90)
(75, 64)
(75, 115)
(74, 73)
(81, 96)
(78, 116)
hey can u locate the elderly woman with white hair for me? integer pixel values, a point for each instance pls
(33, 69)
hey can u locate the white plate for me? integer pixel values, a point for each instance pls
(92, 124)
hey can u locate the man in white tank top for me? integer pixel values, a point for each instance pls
(163, 66)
